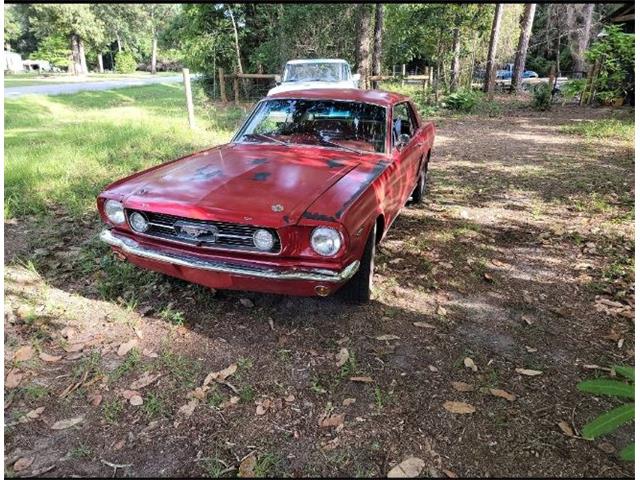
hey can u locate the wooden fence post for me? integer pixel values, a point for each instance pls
(187, 91)
(223, 94)
(236, 90)
(404, 72)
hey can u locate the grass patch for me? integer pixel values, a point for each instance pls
(61, 151)
(182, 369)
(130, 364)
(154, 406)
(610, 128)
(112, 410)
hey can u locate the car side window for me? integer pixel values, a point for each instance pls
(403, 122)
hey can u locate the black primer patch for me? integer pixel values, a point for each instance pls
(261, 176)
(334, 164)
(375, 173)
(206, 172)
(318, 216)
(259, 161)
(286, 218)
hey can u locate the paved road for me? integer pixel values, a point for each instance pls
(67, 88)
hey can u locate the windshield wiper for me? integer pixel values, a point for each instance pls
(269, 137)
(329, 142)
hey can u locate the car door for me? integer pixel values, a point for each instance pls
(406, 158)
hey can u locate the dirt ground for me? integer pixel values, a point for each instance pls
(521, 258)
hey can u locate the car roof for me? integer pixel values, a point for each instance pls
(317, 60)
(377, 97)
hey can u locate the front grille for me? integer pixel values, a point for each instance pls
(229, 236)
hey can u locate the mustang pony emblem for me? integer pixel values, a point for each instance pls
(194, 231)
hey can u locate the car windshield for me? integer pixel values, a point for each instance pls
(317, 71)
(337, 124)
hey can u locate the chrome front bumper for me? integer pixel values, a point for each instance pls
(130, 246)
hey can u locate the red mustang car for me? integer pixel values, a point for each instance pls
(295, 204)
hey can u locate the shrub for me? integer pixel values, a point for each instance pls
(462, 100)
(125, 62)
(613, 419)
(573, 88)
(542, 96)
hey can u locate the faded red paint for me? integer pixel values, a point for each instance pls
(314, 185)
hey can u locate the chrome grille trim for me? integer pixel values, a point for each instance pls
(230, 236)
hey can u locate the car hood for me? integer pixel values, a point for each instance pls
(268, 185)
(288, 87)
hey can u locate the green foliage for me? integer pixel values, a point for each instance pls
(125, 62)
(612, 128)
(616, 53)
(571, 89)
(55, 50)
(463, 100)
(66, 19)
(542, 96)
(615, 418)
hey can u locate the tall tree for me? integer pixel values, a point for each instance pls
(455, 60)
(235, 37)
(579, 20)
(490, 72)
(523, 46)
(363, 44)
(377, 39)
(75, 21)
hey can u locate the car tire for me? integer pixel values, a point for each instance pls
(358, 288)
(420, 192)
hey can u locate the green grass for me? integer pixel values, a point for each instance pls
(610, 128)
(61, 151)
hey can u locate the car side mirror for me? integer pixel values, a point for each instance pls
(278, 80)
(403, 140)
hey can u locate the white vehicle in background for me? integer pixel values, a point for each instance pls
(316, 73)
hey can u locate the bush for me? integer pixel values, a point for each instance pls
(125, 62)
(462, 100)
(573, 88)
(542, 96)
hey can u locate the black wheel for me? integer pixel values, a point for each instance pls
(421, 187)
(358, 288)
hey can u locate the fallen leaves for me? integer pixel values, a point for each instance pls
(408, 468)
(342, 357)
(95, 399)
(31, 415)
(462, 386)
(348, 401)
(126, 347)
(68, 423)
(461, 408)
(187, 410)
(14, 377)
(566, 429)
(23, 354)
(145, 380)
(527, 372)
(329, 421)
(245, 302)
(496, 392)
(220, 376)
(361, 379)
(22, 463)
(387, 338)
(45, 357)
(441, 311)
(423, 325)
(247, 466)
(470, 364)
(136, 400)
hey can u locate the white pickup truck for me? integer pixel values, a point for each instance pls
(316, 73)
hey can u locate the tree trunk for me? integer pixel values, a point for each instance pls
(523, 46)
(490, 76)
(377, 44)
(455, 61)
(235, 36)
(79, 63)
(119, 42)
(100, 65)
(363, 43)
(579, 35)
(154, 53)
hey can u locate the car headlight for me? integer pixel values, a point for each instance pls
(263, 240)
(138, 222)
(114, 211)
(326, 241)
